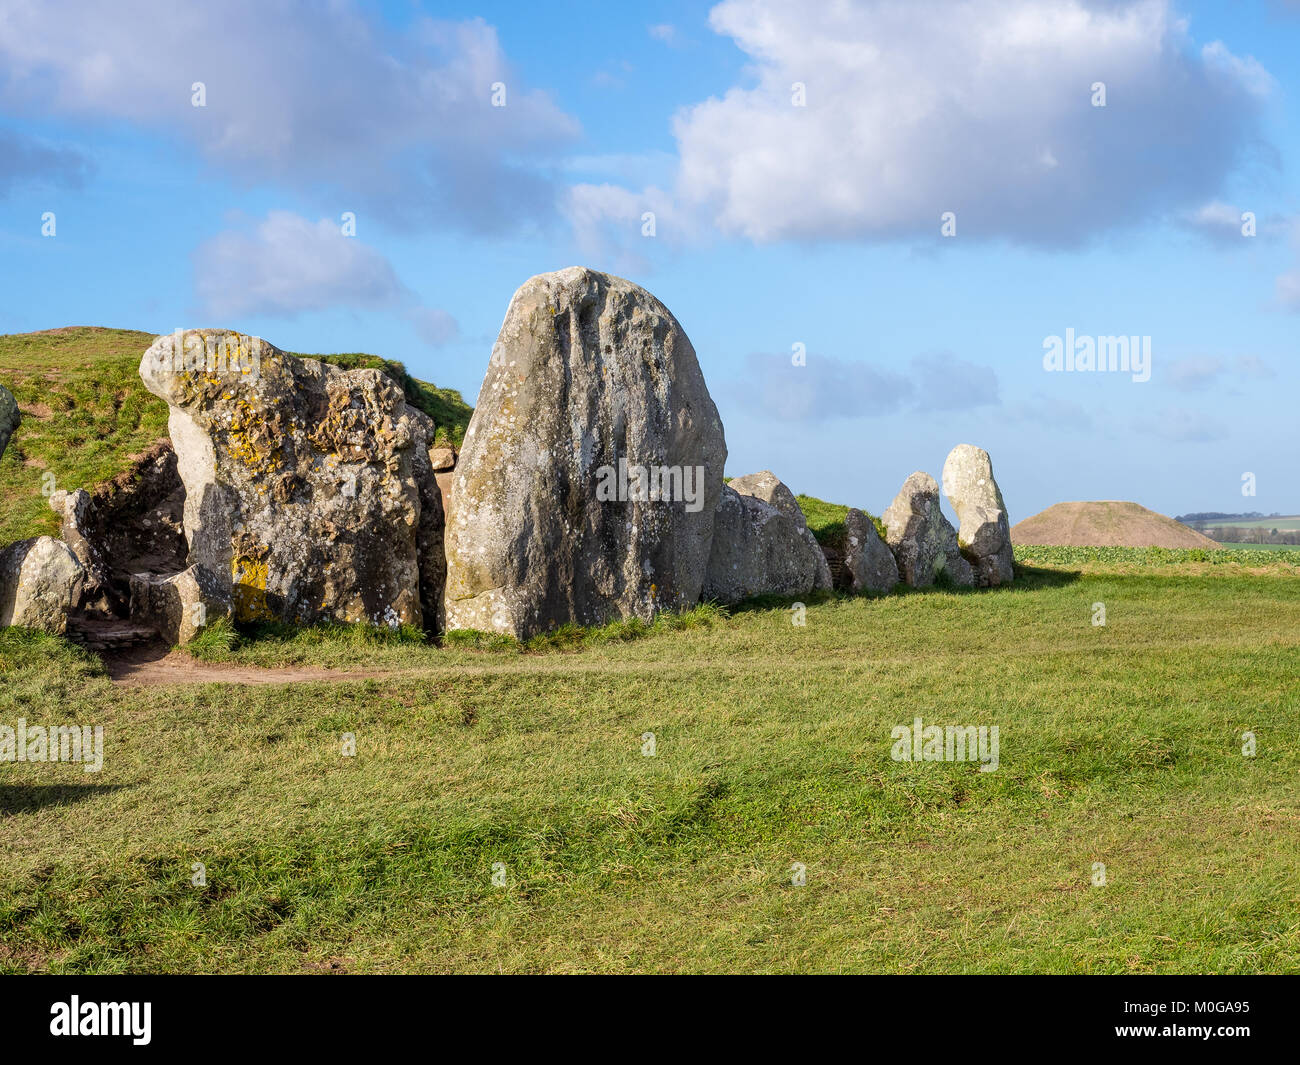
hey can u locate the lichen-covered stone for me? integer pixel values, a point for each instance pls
(984, 532)
(923, 541)
(868, 562)
(179, 607)
(300, 497)
(765, 485)
(591, 378)
(760, 550)
(8, 417)
(40, 584)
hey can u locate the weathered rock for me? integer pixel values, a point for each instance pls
(40, 584)
(923, 541)
(131, 524)
(78, 533)
(442, 458)
(760, 550)
(300, 499)
(586, 486)
(430, 548)
(178, 607)
(765, 485)
(868, 562)
(8, 417)
(984, 532)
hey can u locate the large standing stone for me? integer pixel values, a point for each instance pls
(923, 541)
(868, 561)
(8, 417)
(760, 550)
(40, 584)
(984, 532)
(586, 485)
(300, 497)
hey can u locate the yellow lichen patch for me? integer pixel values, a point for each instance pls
(248, 577)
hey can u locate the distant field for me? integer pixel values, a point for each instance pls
(1290, 524)
(1265, 547)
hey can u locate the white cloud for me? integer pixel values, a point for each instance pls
(664, 31)
(287, 265)
(320, 97)
(984, 108)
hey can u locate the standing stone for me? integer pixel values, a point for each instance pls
(40, 584)
(984, 534)
(923, 541)
(8, 417)
(756, 554)
(868, 561)
(178, 607)
(760, 550)
(300, 497)
(73, 509)
(429, 544)
(586, 485)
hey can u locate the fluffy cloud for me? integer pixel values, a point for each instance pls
(287, 265)
(984, 108)
(827, 388)
(24, 160)
(316, 96)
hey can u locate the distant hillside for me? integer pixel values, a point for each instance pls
(86, 416)
(1105, 523)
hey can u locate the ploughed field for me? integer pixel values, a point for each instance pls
(1118, 744)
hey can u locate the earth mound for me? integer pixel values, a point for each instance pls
(1105, 523)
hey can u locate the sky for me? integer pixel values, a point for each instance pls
(870, 218)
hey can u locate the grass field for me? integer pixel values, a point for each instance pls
(1118, 745)
(1288, 524)
(86, 415)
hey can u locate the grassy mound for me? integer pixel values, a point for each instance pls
(1106, 523)
(826, 520)
(86, 416)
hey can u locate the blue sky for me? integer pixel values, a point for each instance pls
(776, 223)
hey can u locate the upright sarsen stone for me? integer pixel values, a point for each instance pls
(586, 486)
(923, 541)
(984, 532)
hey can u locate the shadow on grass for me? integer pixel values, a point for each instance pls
(28, 798)
(1028, 578)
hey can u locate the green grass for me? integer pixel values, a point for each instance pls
(826, 520)
(1119, 744)
(1230, 555)
(1286, 524)
(86, 415)
(1265, 547)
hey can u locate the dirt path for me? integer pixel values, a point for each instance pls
(176, 667)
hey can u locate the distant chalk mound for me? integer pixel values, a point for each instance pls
(1105, 523)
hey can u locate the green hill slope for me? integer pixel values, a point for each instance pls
(87, 416)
